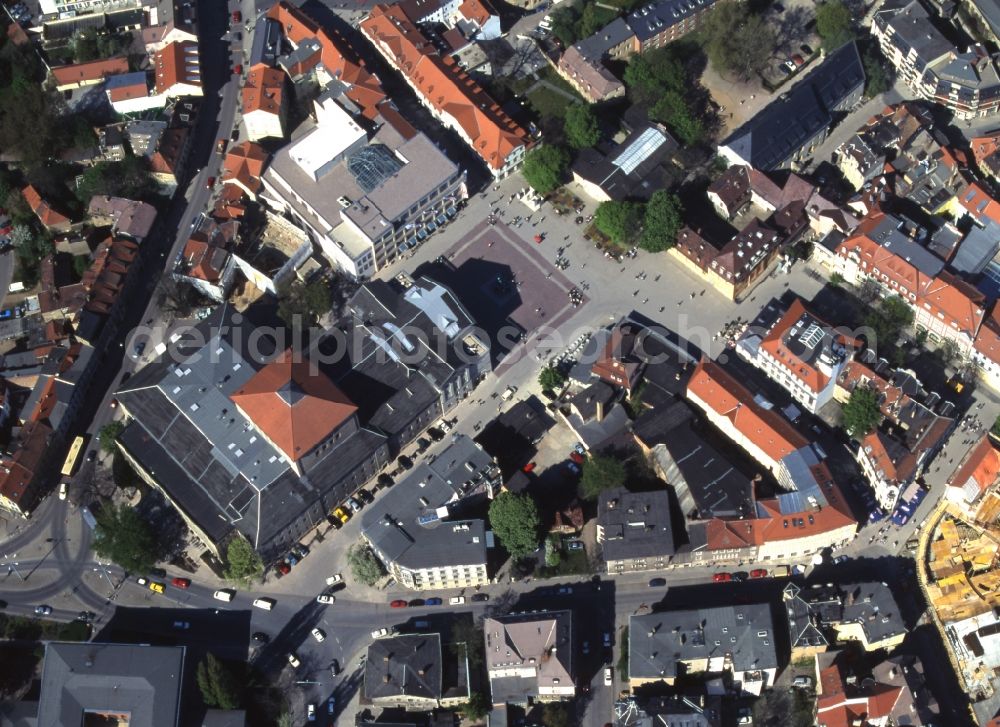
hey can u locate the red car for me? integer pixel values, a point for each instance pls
(284, 569)
(398, 603)
(237, 16)
(529, 468)
(758, 573)
(210, 183)
(181, 582)
(237, 69)
(722, 577)
(576, 457)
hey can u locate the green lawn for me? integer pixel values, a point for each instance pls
(547, 103)
(573, 563)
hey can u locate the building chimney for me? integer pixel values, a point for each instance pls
(600, 410)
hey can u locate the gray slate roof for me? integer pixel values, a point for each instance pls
(659, 641)
(635, 524)
(408, 665)
(143, 681)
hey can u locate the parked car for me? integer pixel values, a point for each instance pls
(785, 69)
(480, 597)
(182, 625)
(740, 576)
(576, 457)
(758, 573)
(331, 705)
(721, 577)
(575, 545)
(318, 635)
(325, 598)
(806, 49)
(237, 69)
(341, 514)
(157, 587)
(334, 668)
(456, 600)
(311, 712)
(380, 632)
(798, 60)
(142, 581)
(294, 661)
(92, 455)
(284, 569)
(210, 182)
(261, 638)
(354, 505)
(432, 602)
(657, 582)
(237, 16)
(398, 603)
(573, 467)
(607, 676)
(62, 490)
(565, 590)
(43, 610)
(181, 582)
(365, 496)
(841, 559)
(415, 602)
(334, 579)
(802, 682)
(265, 604)
(607, 638)
(300, 550)
(224, 594)
(789, 64)
(220, 145)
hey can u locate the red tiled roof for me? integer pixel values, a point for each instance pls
(294, 406)
(765, 428)
(18, 470)
(204, 260)
(477, 11)
(16, 34)
(245, 164)
(176, 63)
(90, 72)
(979, 202)
(955, 302)
(444, 85)
(126, 93)
(264, 90)
(981, 465)
(42, 209)
(336, 53)
(984, 146)
(987, 341)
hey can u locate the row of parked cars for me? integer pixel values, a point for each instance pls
(739, 576)
(453, 601)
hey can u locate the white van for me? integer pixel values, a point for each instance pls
(265, 603)
(223, 595)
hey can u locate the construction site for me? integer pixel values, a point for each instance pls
(962, 583)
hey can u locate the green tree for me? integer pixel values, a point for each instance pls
(887, 320)
(673, 110)
(593, 18)
(652, 74)
(545, 168)
(242, 562)
(564, 24)
(467, 641)
(621, 221)
(108, 435)
(125, 538)
(833, 24)
(552, 551)
(995, 429)
(477, 707)
(128, 178)
(836, 280)
(601, 473)
(861, 412)
(301, 304)
(581, 127)
(515, 520)
(738, 43)
(556, 714)
(662, 221)
(219, 687)
(878, 76)
(551, 378)
(364, 564)
(85, 46)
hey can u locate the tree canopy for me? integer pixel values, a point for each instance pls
(545, 168)
(887, 320)
(556, 714)
(878, 76)
(621, 221)
(581, 126)
(477, 707)
(128, 178)
(242, 562)
(600, 473)
(834, 24)
(301, 304)
(108, 435)
(515, 520)
(219, 687)
(662, 221)
(861, 412)
(657, 79)
(364, 564)
(125, 538)
(551, 378)
(739, 42)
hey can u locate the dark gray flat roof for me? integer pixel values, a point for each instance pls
(139, 680)
(635, 524)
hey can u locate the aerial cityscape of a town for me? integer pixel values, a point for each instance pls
(514, 363)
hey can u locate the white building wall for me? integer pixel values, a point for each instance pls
(261, 124)
(143, 103)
